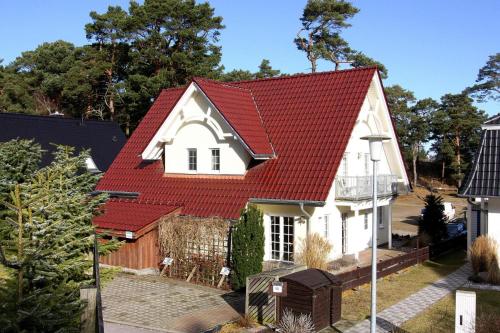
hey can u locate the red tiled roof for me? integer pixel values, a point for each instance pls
(237, 106)
(131, 215)
(308, 118)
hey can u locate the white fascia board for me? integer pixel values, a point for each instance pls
(380, 92)
(153, 149)
(491, 127)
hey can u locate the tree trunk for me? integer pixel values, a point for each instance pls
(414, 160)
(313, 64)
(459, 167)
(443, 164)
(337, 65)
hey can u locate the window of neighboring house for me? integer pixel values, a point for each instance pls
(380, 217)
(192, 159)
(215, 159)
(282, 238)
(365, 216)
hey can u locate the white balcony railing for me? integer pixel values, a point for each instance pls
(360, 187)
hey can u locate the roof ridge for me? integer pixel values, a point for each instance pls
(222, 83)
(49, 117)
(285, 76)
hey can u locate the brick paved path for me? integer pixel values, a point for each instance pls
(167, 305)
(400, 312)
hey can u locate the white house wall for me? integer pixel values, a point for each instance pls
(196, 133)
(195, 123)
(493, 221)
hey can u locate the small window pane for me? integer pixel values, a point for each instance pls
(215, 159)
(192, 159)
(366, 221)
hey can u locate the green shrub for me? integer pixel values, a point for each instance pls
(248, 246)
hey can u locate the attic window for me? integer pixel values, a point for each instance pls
(215, 159)
(192, 159)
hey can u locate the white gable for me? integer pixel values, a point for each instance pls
(374, 118)
(194, 123)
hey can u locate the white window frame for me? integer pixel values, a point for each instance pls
(283, 254)
(191, 150)
(215, 159)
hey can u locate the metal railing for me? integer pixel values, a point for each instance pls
(360, 187)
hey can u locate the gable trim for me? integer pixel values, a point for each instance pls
(153, 151)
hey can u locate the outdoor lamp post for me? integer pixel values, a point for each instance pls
(375, 141)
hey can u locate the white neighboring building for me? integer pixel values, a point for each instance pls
(290, 145)
(482, 187)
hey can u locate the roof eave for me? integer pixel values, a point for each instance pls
(313, 203)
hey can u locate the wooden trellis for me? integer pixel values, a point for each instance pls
(198, 247)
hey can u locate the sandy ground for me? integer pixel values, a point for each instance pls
(406, 209)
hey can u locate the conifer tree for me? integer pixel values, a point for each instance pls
(433, 221)
(248, 246)
(46, 239)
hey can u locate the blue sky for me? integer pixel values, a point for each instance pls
(430, 47)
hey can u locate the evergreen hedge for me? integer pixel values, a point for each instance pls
(248, 246)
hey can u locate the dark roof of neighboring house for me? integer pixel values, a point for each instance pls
(103, 138)
(484, 177)
(495, 120)
(308, 119)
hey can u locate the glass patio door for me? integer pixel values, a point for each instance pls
(282, 238)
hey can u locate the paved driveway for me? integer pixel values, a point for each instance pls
(166, 305)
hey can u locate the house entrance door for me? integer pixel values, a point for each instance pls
(344, 233)
(282, 238)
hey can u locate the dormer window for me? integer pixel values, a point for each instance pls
(192, 159)
(215, 159)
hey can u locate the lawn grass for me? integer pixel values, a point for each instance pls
(440, 317)
(396, 287)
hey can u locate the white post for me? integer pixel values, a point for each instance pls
(465, 312)
(389, 225)
(373, 316)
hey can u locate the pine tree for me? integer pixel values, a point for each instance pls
(248, 246)
(433, 222)
(45, 243)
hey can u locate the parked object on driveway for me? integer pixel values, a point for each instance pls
(449, 211)
(455, 229)
(313, 292)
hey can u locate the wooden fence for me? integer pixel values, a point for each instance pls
(259, 305)
(360, 276)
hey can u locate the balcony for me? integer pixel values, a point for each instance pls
(354, 188)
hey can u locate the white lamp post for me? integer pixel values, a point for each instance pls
(375, 142)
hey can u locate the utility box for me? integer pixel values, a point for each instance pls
(313, 292)
(465, 312)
